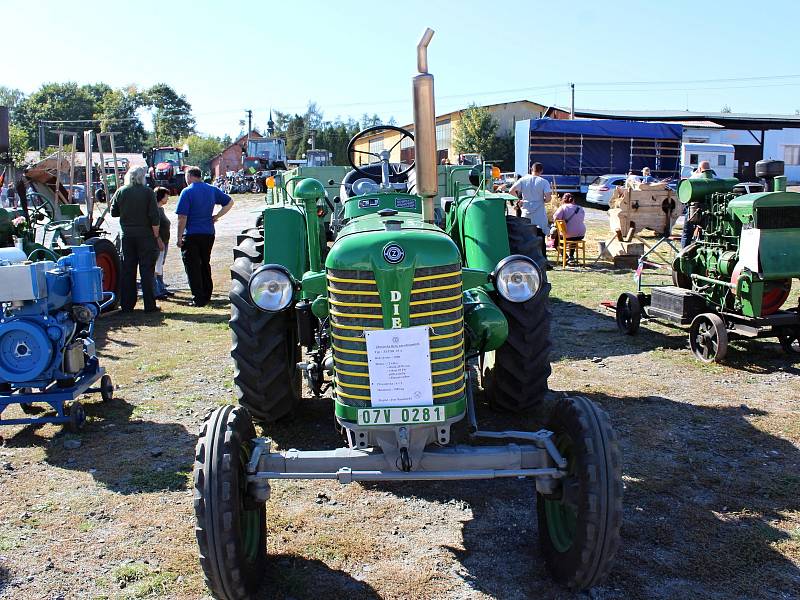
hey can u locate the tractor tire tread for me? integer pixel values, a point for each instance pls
(265, 379)
(600, 474)
(217, 536)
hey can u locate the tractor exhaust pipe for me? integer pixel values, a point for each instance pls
(425, 130)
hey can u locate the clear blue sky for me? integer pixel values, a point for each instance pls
(356, 57)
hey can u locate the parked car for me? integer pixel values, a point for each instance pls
(602, 188)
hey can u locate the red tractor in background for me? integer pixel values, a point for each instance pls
(165, 168)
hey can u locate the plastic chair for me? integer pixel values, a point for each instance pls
(564, 244)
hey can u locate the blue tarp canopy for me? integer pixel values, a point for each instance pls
(609, 128)
(587, 148)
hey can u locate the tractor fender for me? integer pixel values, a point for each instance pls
(486, 324)
(482, 233)
(285, 240)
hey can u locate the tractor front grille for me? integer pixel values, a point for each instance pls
(435, 301)
(778, 217)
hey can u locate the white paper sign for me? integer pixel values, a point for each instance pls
(400, 367)
(748, 249)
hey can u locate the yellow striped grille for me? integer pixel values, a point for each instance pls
(435, 302)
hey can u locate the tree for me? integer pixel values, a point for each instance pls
(55, 102)
(295, 137)
(501, 152)
(172, 118)
(18, 141)
(726, 110)
(117, 112)
(476, 131)
(11, 98)
(202, 149)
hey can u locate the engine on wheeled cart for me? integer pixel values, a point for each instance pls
(734, 276)
(47, 348)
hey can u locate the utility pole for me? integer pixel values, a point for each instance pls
(249, 125)
(41, 137)
(572, 104)
(313, 139)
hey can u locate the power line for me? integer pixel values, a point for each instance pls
(93, 120)
(689, 81)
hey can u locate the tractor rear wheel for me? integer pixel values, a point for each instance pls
(107, 258)
(231, 529)
(515, 377)
(579, 526)
(265, 348)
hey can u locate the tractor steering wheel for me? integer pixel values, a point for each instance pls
(384, 156)
(41, 208)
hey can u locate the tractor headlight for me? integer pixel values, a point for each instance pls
(271, 288)
(517, 278)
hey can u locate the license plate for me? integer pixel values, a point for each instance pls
(400, 415)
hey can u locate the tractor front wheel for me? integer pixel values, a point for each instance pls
(265, 349)
(231, 529)
(579, 525)
(515, 375)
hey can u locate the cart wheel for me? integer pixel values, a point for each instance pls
(579, 525)
(629, 313)
(230, 527)
(708, 338)
(77, 417)
(790, 341)
(106, 388)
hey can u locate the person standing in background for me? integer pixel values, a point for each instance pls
(531, 191)
(159, 288)
(196, 220)
(135, 205)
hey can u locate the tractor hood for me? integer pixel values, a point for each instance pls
(396, 243)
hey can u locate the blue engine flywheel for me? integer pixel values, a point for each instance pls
(25, 351)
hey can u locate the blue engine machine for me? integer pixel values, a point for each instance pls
(47, 350)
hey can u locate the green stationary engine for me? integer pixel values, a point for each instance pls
(734, 275)
(398, 319)
(745, 249)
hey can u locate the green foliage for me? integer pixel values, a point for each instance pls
(18, 140)
(117, 111)
(295, 137)
(172, 117)
(52, 102)
(501, 152)
(476, 131)
(202, 149)
(11, 98)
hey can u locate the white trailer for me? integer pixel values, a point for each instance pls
(719, 155)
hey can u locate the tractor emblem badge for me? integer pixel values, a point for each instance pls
(393, 254)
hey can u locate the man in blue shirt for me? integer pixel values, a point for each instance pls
(196, 220)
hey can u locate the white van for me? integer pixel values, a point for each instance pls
(719, 155)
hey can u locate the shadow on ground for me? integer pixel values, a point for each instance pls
(5, 578)
(580, 333)
(290, 576)
(122, 450)
(705, 490)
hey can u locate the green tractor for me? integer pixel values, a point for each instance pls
(734, 277)
(402, 321)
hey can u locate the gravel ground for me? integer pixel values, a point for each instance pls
(712, 472)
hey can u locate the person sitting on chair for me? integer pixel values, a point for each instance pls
(573, 216)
